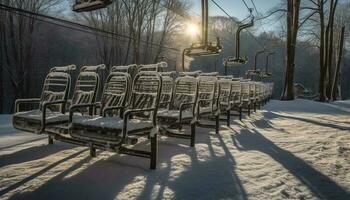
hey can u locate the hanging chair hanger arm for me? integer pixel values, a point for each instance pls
(256, 57)
(238, 34)
(267, 61)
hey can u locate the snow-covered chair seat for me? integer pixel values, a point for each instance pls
(181, 108)
(51, 104)
(31, 120)
(101, 129)
(119, 120)
(207, 107)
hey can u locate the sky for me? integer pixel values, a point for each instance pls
(237, 9)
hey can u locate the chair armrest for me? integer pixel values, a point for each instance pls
(198, 107)
(131, 111)
(182, 109)
(44, 108)
(27, 101)
(75, 107)
(164, 103)
(111, 108)
(127, 113)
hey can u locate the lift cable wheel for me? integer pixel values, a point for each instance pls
(204, 48)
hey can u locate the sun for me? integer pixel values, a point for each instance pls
(192, 29)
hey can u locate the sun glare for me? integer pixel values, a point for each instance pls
(192, 29)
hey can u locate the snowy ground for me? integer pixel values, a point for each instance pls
(288, 150)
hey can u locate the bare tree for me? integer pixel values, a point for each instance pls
(17, 44)
(292, 31)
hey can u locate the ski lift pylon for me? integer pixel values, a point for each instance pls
(90, 5)
(204, 48)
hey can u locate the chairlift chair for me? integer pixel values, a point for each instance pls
(204, 48)
(245, 98)
(116, 131)
(266, 73)
(207, 103)
(238, 60)
(255, 71)
(53, 97)
(90, 5)
(181, 109)
(52, 122)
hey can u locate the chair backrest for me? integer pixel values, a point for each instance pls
(252, 89)
(146, 90)
(116, 89)
(130, 69)
(245, 90)
(150, 67)
(225, 90)
(194, 73)
(86, 88)
(56, 88)
(94, 68)
(236, 91)
(185, 91)
(209, 74)
(228, 77)
(66, 69)
(167, 87)
(207, 90)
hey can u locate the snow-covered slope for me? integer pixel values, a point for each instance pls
(287, 150)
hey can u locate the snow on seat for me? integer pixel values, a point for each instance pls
(106, 128)
(174, 115)
(31, 120)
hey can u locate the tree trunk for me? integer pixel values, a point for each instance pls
(334, 90)
(321, 85)
(292, 31)
(330, 55)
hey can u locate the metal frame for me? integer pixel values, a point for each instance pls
(54, 95)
